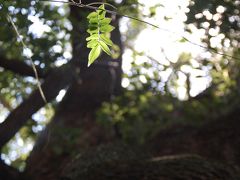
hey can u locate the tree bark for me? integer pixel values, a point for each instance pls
(169, 155)
(186, 167)
(218, 139)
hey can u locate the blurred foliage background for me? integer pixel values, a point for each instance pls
(157, 91)
(151, 101)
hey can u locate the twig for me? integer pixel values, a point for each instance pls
(32, 64)
(97, 3)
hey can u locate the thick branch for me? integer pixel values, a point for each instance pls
(57, 80)
(20, 67)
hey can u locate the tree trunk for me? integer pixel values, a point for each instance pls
(168, 156)
(217, 140)
(184, 167)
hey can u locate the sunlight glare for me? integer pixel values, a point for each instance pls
(60, 95)
(38, 27)
(125, 82)
(153, 41)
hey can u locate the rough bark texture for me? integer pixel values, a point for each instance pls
(217, 140)
(183, 167)
(168, 156)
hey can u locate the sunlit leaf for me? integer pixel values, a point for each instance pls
(101, 12)
(94, 54)
(94, 31)
(105, 48)
(92, 15)
(94, 36)
(92, 43)
(106, 40)
(105, 21)
(99, 29)
(106, 28)
(94, 20)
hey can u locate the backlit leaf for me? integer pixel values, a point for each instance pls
(105, 48)
(92, 43)
(99, 28)
(94, 54)
(94, 36)
(105, 21)
(107, 40)
(92, 15)
(106, 28)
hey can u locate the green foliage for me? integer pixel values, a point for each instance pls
(99, 29)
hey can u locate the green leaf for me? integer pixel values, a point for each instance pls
(93, 20)
(105, 48)
(99, 27)
(92, 43)
(105, 21)
(90, 31)
(102, 7)
(102, 15)
(93, 26)
(105, 39)
(106, 28)
(94, 54)
(94, 36)
(92, 15)
(101, 12)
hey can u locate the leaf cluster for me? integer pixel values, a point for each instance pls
(99, 29)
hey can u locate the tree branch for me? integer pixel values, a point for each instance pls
(20, 67)
(56, 80)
